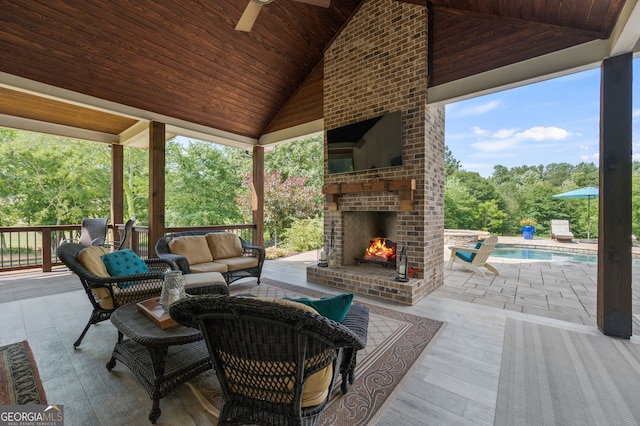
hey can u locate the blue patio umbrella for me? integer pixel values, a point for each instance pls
(587, 192)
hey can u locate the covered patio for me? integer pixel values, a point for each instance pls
(133, 76)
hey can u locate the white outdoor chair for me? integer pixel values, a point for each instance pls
(475, 258)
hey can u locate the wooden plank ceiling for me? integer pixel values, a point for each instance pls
(474, 36)
(183, 59)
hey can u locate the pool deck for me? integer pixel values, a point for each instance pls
(559, 290)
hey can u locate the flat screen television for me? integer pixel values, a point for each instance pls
(370, 144)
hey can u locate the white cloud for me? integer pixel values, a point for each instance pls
(540, 133)
(495, 145)
(479, 132)
(479, 109)
(595, 157)
(636, 113)
(504, 133)
(511, 139)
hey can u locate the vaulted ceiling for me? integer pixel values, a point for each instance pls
(101, 70)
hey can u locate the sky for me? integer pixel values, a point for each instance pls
(555, 121)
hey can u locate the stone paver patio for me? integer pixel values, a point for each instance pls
(559, 290)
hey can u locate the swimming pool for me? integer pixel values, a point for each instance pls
(550, 255)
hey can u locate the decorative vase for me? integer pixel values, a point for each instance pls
(172, 289)
(528, 232)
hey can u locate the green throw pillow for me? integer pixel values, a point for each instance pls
(124, 262)
(334, 308)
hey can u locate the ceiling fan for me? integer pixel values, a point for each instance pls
(250, 13)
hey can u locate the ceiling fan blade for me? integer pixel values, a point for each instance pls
(249, 16)
(321, 3)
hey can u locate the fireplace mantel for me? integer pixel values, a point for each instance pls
(404, 188)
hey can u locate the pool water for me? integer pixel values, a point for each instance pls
(539, 254)
(555, 256)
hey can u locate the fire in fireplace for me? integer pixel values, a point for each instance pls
(381, 251)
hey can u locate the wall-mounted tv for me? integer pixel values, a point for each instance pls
(370, 144)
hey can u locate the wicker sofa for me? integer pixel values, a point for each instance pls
(212, 251)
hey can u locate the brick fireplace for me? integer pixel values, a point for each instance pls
(378, 64)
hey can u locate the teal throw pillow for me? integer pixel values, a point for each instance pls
(334, 308)
(124, 262)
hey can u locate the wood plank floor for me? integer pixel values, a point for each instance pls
(456, 383)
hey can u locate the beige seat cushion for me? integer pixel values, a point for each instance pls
(208, 267)
(238, 263)
(204, 278)
(89, 257)
(193, 247)
(224, 245)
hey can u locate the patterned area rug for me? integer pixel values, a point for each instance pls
(396, 341)
(19, 380)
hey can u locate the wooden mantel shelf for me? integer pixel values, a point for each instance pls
(405, 189)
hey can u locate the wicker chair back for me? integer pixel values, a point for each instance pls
(263, 353)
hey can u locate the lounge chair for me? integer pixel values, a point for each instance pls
(475, 258)
(560, 230)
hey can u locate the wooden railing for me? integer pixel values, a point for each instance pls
(28, 247)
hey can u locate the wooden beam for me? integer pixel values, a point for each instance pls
(614, 308)
(258, 195)
(404, 188)
(117, 188)
(156, 184)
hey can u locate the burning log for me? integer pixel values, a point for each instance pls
(381, 249)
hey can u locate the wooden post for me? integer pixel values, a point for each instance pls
(117, 182)
(46, 249)
(614, 308)
(156, 184)
(257, 202)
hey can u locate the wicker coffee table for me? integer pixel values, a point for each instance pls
(161, 359)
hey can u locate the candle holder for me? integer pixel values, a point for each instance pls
(172, 289)
(402, 266)
(332, 256)
(322, 258)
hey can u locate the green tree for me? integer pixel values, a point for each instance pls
(491, 216)
(451, 165)
(48, 180)
(557, 173)
(460, 210)
(136, 184)
(284, 201)
(202, 184)
(299, 158)
(585, 174)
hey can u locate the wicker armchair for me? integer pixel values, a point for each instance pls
(93, 231)
(276, 362)
(104, 292)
